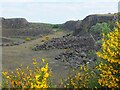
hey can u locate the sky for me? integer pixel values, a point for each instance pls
(55, 11)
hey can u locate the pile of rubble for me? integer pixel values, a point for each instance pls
(76, 49)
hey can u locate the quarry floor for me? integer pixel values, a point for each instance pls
(13, 56)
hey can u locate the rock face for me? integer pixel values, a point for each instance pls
(14, 22)
(91, 20)
(71, 25)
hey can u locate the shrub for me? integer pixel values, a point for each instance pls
(82, 78)
(28, 39)
(55, 26)
(38, 77)
(110, 59)
(100, 28)
(47, 38)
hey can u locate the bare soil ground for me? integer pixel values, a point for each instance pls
(13, 56)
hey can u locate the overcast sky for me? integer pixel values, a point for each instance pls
(55, 11)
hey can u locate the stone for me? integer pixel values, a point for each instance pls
(83, 54)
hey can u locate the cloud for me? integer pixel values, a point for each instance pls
(56, 12)
(59, 1)
(16, 0)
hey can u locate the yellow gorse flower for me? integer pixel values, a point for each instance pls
(43, 60)
(33, 78)
(111, 53)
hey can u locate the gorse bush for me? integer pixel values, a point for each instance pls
(47, 38)
(38, 77)
(83, 77)
(27, 39)
(79, 80)
(110, 55)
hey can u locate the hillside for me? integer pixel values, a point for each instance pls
(16, 30)
(21, 27)
(91, 20)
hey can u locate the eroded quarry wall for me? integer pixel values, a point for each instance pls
(14, 22)
(91, 20)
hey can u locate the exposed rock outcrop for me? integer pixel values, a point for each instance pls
(71, 25)
(91, 20)
(14, 22)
